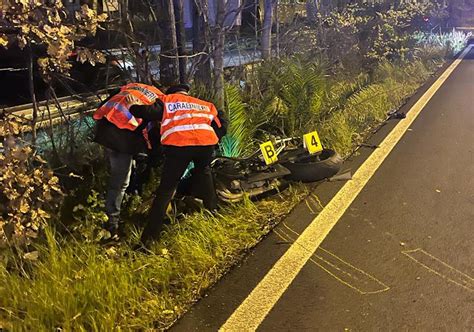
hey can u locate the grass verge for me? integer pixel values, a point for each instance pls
(81, 286)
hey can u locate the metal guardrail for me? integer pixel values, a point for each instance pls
(52, 112)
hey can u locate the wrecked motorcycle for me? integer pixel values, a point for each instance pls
(235, 178)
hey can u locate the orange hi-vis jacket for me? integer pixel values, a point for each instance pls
(187, 121)
(116, 109)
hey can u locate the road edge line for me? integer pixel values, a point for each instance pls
(253, 310)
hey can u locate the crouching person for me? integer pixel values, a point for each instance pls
(190, 130)
(123, 123)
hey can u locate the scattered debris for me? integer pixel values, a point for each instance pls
(341, 177)
(283, 242)
(395, 114)
(72, 175)
(371, 146)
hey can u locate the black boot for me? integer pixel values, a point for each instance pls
(151, 233)
(112, 226)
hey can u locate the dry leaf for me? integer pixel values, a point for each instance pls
(3, 40)
(24, 207)
(31, 256)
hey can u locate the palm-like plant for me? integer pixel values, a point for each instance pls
(296, 91)
(238, 132)
(283, 98)
(244, 121)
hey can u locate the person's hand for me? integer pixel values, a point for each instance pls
(132, 100)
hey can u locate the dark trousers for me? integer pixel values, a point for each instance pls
(176, 161)
(120, 169)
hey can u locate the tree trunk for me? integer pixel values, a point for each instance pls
(201, 42)
(125, 17)
(312, 10)
(218, 54)
(56, 157)
(146, 67)
(267, 29)
(257, 23)
(31, 82)
(127, 26)
(181, 40)
(277, 30)
(169, 66)
(325, 7)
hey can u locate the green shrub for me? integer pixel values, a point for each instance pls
(364, 34)
(338, 134)
(294, 95)
(242, 123)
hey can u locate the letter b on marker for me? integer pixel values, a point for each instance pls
(269, 153)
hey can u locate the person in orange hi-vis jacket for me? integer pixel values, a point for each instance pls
(124, 121)
(190, 131)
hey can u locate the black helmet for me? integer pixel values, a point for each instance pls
(183, 87)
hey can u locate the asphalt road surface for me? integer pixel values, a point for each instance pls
(402, 255)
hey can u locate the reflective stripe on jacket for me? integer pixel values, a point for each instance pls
(116, 109)
(187, 121)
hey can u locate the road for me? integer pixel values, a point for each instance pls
(400, 257)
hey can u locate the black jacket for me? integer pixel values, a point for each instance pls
(220, 132)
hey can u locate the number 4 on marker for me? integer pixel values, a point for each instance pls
(312, 142)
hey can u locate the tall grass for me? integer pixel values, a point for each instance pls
(77, 285)
(367, 105)
(297, 97)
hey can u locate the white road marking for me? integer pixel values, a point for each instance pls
(253, 310)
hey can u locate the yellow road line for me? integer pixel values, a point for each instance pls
(252, 311)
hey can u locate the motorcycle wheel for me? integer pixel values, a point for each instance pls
(311, 168)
